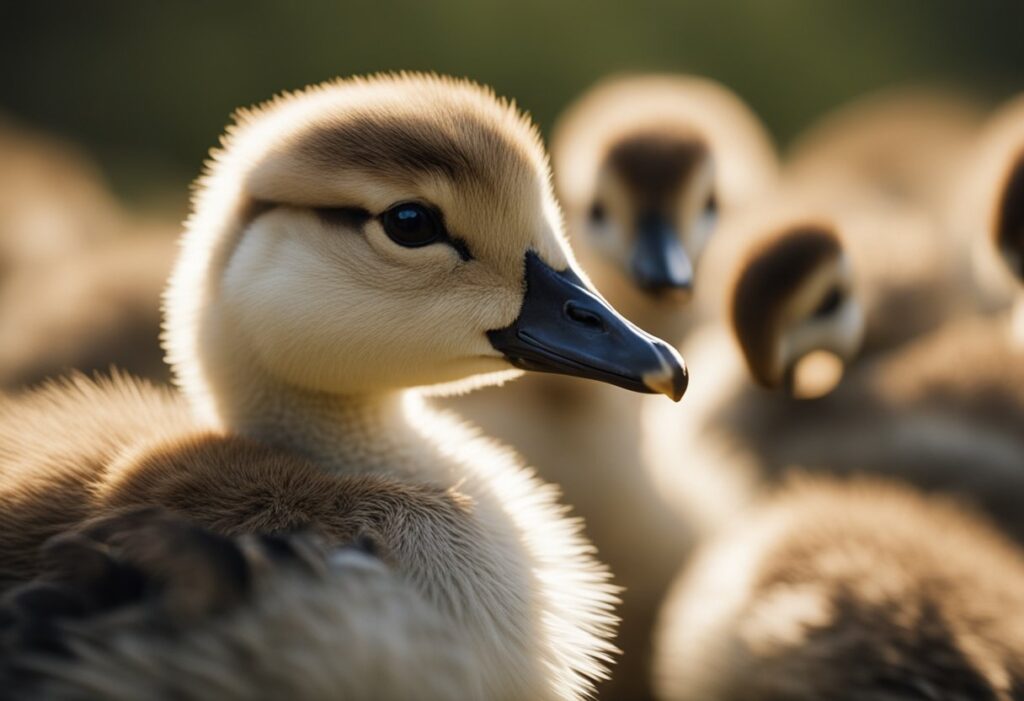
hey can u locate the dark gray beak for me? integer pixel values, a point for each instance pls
(659, 263)
(564, 327)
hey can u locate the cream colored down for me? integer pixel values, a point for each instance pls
(316, 337)
(800, 594)
(587, 437)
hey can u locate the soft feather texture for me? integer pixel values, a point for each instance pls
(857, 591)
(734, 439)
(304, 334)
(914, 405)
(248, 618)
(297, 640)
(144, 450)
(744, 155)
(904, 415)
(686, 112)
(658, 132)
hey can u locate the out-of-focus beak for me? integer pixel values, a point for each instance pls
(566, 328)
(814, 375)
(659, 263)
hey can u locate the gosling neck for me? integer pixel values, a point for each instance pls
(357, 433)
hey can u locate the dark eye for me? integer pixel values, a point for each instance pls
(411, 224)
(831, 303)
(711, 205)
(597, 213)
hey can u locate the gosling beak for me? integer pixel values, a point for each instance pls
(564, 327)
(659, 263)
(814, 375)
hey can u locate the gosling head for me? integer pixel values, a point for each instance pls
(794, 313)
(642, 164)
(652, 209)
(385, 233)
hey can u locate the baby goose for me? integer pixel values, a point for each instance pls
(836, 590)
(784, 290)
(349, 243)
(955, 395)
(146, 605)
(642, 166)
(951, 397)
(802, 287)
(900, 408)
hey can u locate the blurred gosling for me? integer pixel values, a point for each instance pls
(644, 166)
(850, 591)
(350, 243)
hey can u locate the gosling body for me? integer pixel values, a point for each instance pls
(331, 238)
(644, 167)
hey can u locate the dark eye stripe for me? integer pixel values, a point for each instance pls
(460, 247)
(349, 217)
(356, 218)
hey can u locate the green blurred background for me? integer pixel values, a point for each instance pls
(146, 86)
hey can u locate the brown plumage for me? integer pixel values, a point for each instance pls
(301, 323)
(918, 410)
(654, 165)
(672, 149)
(774, 274)
(860, 591)
(144, 451)
(984, 212)
(264, 617)
(865, 590)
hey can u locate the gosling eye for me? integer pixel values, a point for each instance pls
(412, 225)
(706, 220)
(829, 304)
(597, 213)
(711, 205)
(709, 215)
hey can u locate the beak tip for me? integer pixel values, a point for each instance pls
(672, 378)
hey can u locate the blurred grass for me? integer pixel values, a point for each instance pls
(147, 86)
